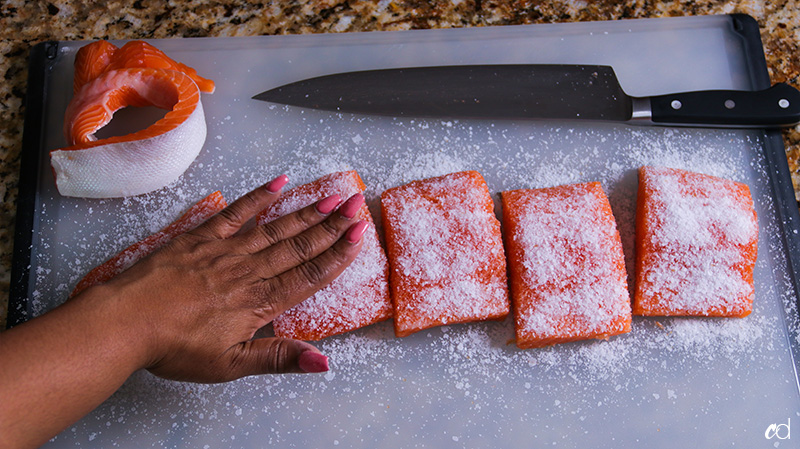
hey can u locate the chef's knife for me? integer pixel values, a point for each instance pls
(533, 91)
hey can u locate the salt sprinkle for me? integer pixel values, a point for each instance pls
(359, 296)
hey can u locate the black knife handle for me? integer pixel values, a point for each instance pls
(777, 106)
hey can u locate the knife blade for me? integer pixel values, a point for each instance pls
(533, 91)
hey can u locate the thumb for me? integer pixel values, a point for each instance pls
(275, 356)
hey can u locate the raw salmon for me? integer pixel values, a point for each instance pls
(107, 79)
(566, 266)
(99, 57)
(91, 61)
(139, 162)
(197, 214)
(696, 245)
(445, 250)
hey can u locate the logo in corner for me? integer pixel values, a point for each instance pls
(779, 431)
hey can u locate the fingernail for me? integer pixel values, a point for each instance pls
(356, 231)
(277, 184)
(327, 205)
(313, 362)
(352, 205)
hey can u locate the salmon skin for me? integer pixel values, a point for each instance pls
(108, 79)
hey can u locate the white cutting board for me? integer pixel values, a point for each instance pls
(670, 383)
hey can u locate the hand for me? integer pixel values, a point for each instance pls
(201, 299)
(188, 311)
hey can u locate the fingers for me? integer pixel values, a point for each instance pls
(280, 293)
(303, 243)
(274, 356)
(232, 218)
(288, 225)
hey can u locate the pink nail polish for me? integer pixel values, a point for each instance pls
(352, 205)
(277, 184)
(313, 362)
(356, 231)
(327, 205)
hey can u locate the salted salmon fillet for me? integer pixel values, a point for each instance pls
(446, 259)
(99, 57)
(108, 79)
(197, 214)
(566, 265)
(696, 245)
(360, 295)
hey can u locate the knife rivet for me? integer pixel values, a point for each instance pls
(676, 104)
(783, 103)
(730, 104)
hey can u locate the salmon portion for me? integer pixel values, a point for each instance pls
(196, 215)
(696, 245)
(135, 163)
(445, 249)
(566, 265)
(99, 57)
(108, 79)
(360, 295)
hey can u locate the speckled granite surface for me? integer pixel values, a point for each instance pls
(25, 23)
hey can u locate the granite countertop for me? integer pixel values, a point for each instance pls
(23, 24)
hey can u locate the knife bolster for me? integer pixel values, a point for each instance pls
(641, 111)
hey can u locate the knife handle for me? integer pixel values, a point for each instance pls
(777, 106)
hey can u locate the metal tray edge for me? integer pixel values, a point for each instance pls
(779, 174)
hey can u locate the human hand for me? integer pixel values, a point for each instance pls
(187, 312)
(200, 300)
